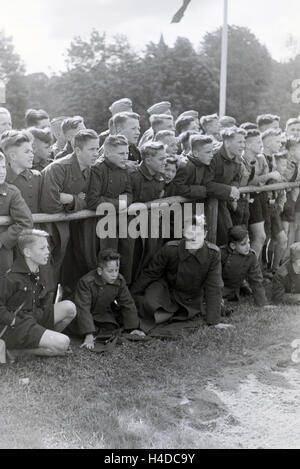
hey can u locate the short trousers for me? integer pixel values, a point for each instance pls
(259, 208)
(273, 224)
(29, 328)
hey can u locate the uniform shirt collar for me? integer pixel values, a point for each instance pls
(184, 253)
(85, 173)
(12, 176)
(20, 266)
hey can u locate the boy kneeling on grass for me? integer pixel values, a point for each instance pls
(97, 295)
(179, 277)
(286, 281)
(28, 319)
(239, 263)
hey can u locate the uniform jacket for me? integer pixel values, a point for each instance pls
(191, 179)
(93, 299)
(67, 150)
(107, 181)
(64, 175)
(187, 275)
(226, 173)
(12, 204)
(134, 153)
(29, 183)
(285, 281)
(20, 286)
(236, 268)
(145, 187)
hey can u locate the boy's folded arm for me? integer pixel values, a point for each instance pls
(83, 302)
(128, 309)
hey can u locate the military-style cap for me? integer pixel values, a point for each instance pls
(159, 108)
(191, 113)
(227, 121)
(295, 251)
(122, 105)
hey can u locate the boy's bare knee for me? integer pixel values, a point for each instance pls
(70, 309)
(62, 342)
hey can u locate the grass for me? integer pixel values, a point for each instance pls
(136, 396)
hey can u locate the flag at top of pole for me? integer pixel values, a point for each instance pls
(224, 52)
(179, 14)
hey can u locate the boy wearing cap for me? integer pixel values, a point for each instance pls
(180, 276)
(128, 124)
(286, 281)
(11, 204)
(121, 105)
(159, 108)
(95, 296)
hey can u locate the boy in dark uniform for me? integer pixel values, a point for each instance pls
(41, 145)
(286, 281)
(227, 172)
(11, 204)
(18, 150)
(28, 320)
(110, 180)
(95, 294)
(65, 184)
(180, 275)
(240, 263)
(147, 184)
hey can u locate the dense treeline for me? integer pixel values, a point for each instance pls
(100, 71)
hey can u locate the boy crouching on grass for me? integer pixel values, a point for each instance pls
(239, 263)
(96, 296)
(179, 277)
(286, 281)
(28, 319)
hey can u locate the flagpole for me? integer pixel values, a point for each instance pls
(224, 55)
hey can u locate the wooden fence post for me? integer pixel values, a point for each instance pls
(211, 210)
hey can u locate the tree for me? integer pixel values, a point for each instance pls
(249, 70)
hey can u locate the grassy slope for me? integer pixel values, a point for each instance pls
(135, 397)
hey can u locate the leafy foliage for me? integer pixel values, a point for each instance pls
(101, 70)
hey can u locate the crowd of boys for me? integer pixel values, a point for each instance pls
(61, 273)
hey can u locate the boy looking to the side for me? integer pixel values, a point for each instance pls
(95, 295)
(11, 204)
(240, 263)
(28, 320)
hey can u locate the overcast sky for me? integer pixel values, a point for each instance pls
(43, 29)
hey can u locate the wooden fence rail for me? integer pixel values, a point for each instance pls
(212, 208)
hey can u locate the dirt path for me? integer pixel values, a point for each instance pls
(255, 403)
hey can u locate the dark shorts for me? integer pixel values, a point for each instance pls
(273, 224)
(259, 208)
(29, 329)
